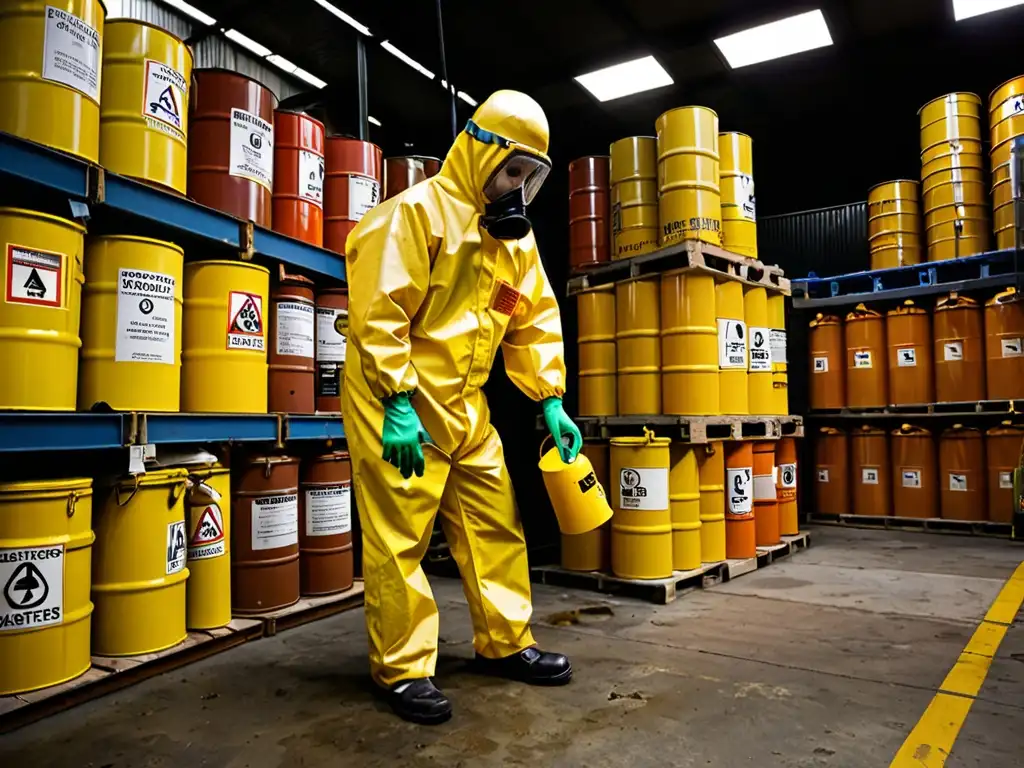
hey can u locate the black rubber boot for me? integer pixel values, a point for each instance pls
(418, 701)
(531, 666)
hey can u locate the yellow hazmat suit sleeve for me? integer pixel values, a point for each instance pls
(532, 347)
(390, 262)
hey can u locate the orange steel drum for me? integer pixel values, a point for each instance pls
(915, 483)
(1002, 452)
(591, 551)
(832, 472)
(325, 524)
(740, 528)
(400, 173)
(292, 348)
(948, 118)
(589, 212)
(827, 369)
(867, 377)
(962, 479)
(231, 144)
(298, 200)
(785, 460)
(871, 472)
(908, 331)
(1004, 346)
(766, 505)
(352, 187)
(265, 535)
(331, 343)
(959, 350)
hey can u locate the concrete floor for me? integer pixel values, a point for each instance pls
(827, 659)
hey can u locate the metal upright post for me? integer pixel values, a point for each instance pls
(364, 107)
(444, 72)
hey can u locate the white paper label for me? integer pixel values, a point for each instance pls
(862, 359)
(176, 549)
(778, 344)
(33, 582)
(34, 277)
(311, 177)
(953, 350)
(787, 475)
(331, 331)
(643, 488)
(906, 357)
(822, 475)
(363, 194)
(329, 511)
(208, 537)
(760, 349)
(732, 343)
(145, 317)
(869, 475)
(764, 487)
(1011, 347)
(957, 482)
(71, 53)
(245, 321)
(165, 96)
(748, 203)
(275, 521)
(821, 365)
(252, 148)
(1006, 480)
(295, 323)
(738, 484)
(911, 478)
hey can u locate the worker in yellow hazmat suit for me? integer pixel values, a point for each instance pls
(439, 277)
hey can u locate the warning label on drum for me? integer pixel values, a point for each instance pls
(869, 476)
(862, 359)
(275, 521)
(331, 334)
(329, 511)
(245, 321)
(906, 357)
(311, 177)
(778, 345)
(328, 380)
(176, 549)
(957, 481)
(911, 478)
(1011, 347)
(363, 194)
(294, 332)
(33, 584)
(71, 53)
(643, 488)
(165, 94)
(760, 350)
(822, 475)
(952, 351)
(732, 343)
(787, 475)
(1006, 480)
(821, 365)
(252, 148)
(34, 277)
(748, 203)
(739, 489)
(145, 317)
(207, 539)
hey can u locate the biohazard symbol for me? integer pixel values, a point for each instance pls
(209, 529)
(247, 319)
(27, 588)
(34, 286)
(167, 103)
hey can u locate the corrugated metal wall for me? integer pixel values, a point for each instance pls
(827, 241)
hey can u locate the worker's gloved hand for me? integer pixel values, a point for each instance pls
(560, 424)
(402, 436)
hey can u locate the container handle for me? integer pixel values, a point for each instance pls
(544, 441)
(267, 468)
(131, 495)
(72, 502)
(648, 435)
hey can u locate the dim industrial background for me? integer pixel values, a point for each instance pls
(826, 124)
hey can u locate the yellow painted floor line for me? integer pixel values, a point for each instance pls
(931, 741)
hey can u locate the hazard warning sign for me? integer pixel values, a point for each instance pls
(32, 579)
(175, 547)
(207, 539)
(166, 91)
(34, 277)
(245, 321)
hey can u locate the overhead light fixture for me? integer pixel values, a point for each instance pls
(344, 17)
(467, 98)
(625, 79)
(965, 9)
(308, 77)
(387, 46)
(373, 120)
(247, 42)
(785, 37)
(282, 63)
(191, 10)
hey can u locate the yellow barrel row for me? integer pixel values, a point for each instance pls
(689, 195)
(894, 224)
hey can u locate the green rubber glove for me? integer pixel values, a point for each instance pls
(402, 436)
(559, 424)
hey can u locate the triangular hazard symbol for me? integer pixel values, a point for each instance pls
(247, 319)
(35, 286)
(209, 529)
(166, 102)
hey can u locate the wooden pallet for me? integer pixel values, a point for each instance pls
(691, 429)
(928, 524)
(998, 408)
(790, 545)
(310, 609)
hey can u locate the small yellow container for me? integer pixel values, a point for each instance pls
(711, 467)
(780, 361)
(642, 519)
(689, 344)
(684, 496)
(596, 316)
(577, 497)
(760, 390)
(638, 346)
(733, 357)
(689, 199)
(633, 175)
(208, 590)
(590, 551)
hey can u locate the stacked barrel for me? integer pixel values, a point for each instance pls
(894, 224)
(1006, 123)
(400, 173)
(633, 175)
(739, 205)
(589, 212)
(689, 196)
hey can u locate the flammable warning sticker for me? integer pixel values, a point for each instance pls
(34, 277)
(245, 321)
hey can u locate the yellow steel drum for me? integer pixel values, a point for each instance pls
(1002, 225)
(958, 239)
(689, 344)
(144, 110)
(633, 175)
(224, 351)
(139, 573)
(596, 313)
(684, 498)
(1006, 111)
(638, 346)
(711, 467)
(45, 549)
(893, 206)
(949, 193)
(40, 302)
(780, 361)
(892, 256)
(950, 117)
(760, 390)
(953, 154)
(208, 589)
(905, 240)
(590, 551)
(689, 199)
(733, 357)
(739, 206)
(1000, 157)
(131, 325)
(641, 516)
(50, 55)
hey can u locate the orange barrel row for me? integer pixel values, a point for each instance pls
(589, 212)
(689, 192)
(960, 352)
(633, 180)
(400, 173)
(963, 475)
(954, 199)
(1005, 124)
(894, 224)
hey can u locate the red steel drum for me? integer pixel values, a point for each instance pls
(298, 201)
(589, 212)
(400, 173)
(353, 187)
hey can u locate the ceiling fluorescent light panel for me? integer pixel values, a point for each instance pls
(467, 98)
(785, 37)
(966, 9)
(373, 120)
(387, 46)
(247, 42)
(625, 79)
(344, 17)
(191, 10)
